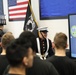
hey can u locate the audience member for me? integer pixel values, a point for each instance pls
(19, 56)
(6, 39)
(63, 64)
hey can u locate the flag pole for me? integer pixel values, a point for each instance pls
(32, 13)
(33, 16)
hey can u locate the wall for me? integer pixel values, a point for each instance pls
(54, 26)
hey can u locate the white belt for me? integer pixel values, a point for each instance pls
(39, 51)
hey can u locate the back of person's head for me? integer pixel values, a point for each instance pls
(30, 36)
(19, 53)
(6, 39)
(60, 40)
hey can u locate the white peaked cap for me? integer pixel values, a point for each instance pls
(42, 29)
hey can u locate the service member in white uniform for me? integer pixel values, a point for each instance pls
(44, 45)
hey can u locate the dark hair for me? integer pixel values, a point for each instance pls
(1, 34)
(30, 36)
(16, 51)
(60, 40)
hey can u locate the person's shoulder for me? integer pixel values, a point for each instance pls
(42, 67)
(41, 62)
(11, 74)
(3, 60)
(50, 58)
(47, 63)
(49, 68)
(70, 60)
(6, 74)
(2, 57)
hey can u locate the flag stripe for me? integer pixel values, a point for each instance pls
(19, 11)
(16, 19)
(17, 14)
(19, 6)
(24, 8)
(22, 3)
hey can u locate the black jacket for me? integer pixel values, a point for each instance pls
(63, 64)
(3, 63)
(41, 67)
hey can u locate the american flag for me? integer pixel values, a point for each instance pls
(17, 9)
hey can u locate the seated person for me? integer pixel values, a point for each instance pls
(63, 64)
(39, 67)
(19, 56)
(6, 39)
